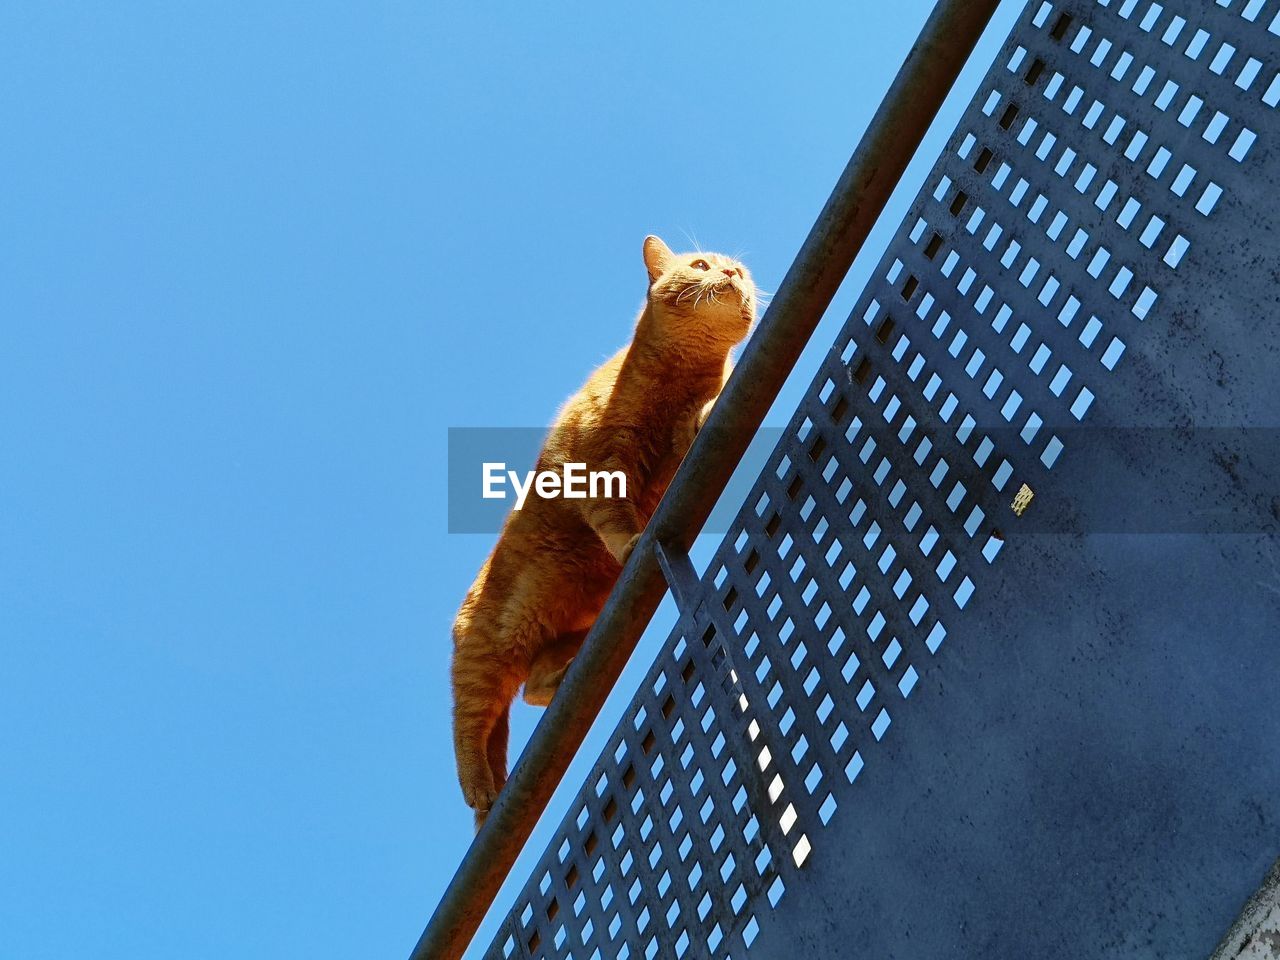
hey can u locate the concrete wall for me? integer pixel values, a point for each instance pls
(1256, 935)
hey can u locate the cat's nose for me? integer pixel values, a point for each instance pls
(732, 272)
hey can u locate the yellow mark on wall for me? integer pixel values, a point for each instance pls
(1021, 500)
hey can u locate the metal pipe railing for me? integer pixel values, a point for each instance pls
(910, 105)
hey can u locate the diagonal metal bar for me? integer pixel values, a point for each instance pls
(680, 575)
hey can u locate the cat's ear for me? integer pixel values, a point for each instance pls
(657, 257)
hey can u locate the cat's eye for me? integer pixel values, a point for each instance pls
(700, 265)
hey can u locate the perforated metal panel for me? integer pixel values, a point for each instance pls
(898, 719)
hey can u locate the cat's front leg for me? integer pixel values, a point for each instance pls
(616, 521)
(618, 525)
(548, 666)
(687, 428)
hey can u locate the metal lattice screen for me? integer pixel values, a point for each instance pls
(897, 718)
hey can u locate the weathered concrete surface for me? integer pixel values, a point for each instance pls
(1256, 935)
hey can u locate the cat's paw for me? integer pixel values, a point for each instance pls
(479, 792)
(627, 548)
(683, 436)
(539, 691)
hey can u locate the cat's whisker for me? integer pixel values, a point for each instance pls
(691, 288)
(693, 240)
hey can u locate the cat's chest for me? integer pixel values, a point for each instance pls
(665, 406)
(661, 434)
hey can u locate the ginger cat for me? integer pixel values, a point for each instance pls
(556, 560)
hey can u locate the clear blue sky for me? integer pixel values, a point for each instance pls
(257, 257)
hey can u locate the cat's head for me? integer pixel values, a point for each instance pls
(703, 293)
